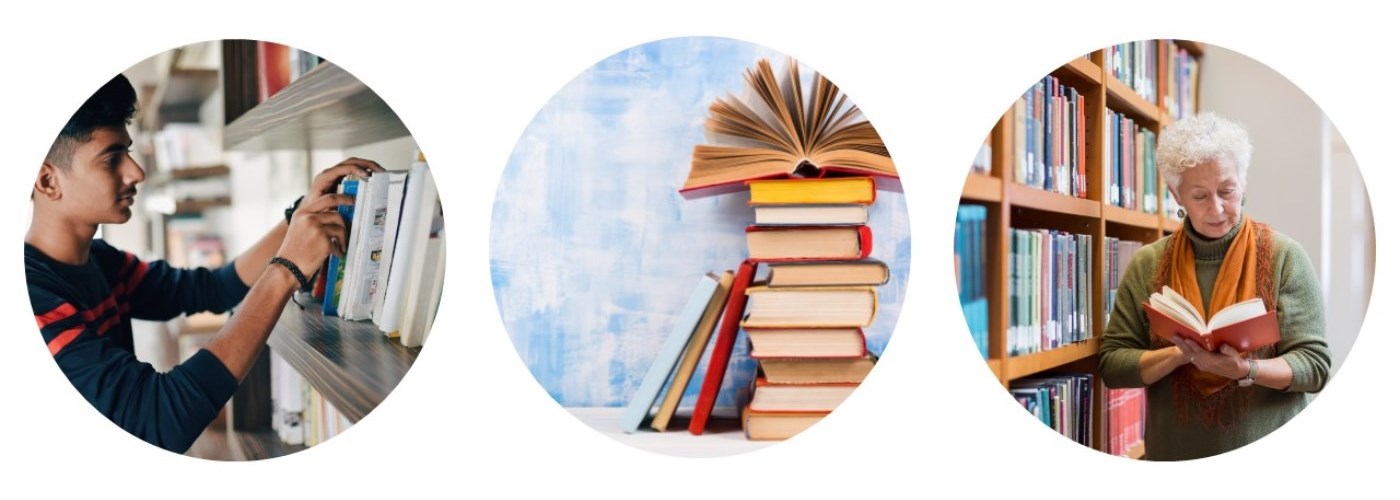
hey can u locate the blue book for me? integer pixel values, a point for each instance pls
(645, 397)
(335, 268)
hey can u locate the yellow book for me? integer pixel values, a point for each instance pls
(828, 190)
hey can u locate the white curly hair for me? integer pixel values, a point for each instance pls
(1200, 139)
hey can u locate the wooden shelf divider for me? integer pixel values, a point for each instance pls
(982, 188)
(1029, 364)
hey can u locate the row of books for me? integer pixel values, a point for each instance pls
(1049, 143)
(279, 66)
(1131, 151)
(1117, 254)
(1135, 64)
(1062, 401)
(1127, 417)
(300, 414)
(392, 270)
(969, 255)
(1049, 286)
(802, 297)
(1182, 82)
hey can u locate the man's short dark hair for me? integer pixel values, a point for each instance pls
(113, 105)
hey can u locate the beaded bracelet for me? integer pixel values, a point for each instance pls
(296, 271)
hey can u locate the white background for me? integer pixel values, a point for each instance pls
(469, 420)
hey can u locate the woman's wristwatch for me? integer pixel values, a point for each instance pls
(1248, 379)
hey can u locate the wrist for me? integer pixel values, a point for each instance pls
(290, 275)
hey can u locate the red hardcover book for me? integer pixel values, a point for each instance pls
(1244, 336)
(724, 347)
(808, 243)
(274, 69)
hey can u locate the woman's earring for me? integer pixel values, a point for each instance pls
(1242, 201)
(1180, 213)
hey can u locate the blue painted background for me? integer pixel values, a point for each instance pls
(593, 252)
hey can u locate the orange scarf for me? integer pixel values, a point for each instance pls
(1245, 273)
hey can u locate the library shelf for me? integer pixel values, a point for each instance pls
(1029, 364)
(1086, 69)
(197, 205)
(1046, 201)
(1123, 99)
(723, 436)
(982, 188)
(351, 363)
(994, 364)
(1118, 215)
(327, 108)
(179, 96)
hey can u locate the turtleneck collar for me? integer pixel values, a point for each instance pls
(1208, 249)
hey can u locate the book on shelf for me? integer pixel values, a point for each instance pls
(1061, 401)
(812, 191)
(791, 243)
(274, 69)
(412, 288)
(867, 272)
(671, 349)
(817, 370)
(1244, 326)
(777, 425)
(690, 359)
(1127, 414)
(811, 307)
(806, 215)
(1049, 149)
(335, 268)
(789, 343)
(773, 397)
(393, 210)
(780, 129)
(1049, 283)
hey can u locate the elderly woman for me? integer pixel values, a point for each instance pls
(1203, 403)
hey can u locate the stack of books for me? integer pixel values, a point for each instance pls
(811, 164)
(1127, 415)
(805, 316)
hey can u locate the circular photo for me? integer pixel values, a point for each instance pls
(1165, 250)
(222, 197)
(699, 246)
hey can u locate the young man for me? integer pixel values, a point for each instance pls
(85, 292)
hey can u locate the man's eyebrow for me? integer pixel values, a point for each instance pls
(117, 147)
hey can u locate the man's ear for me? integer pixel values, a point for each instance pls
(47, 184)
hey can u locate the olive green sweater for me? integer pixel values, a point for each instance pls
(1303, 345)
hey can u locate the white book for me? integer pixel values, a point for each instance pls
(397, 181)
(367, 253)
(421, 299)
(414, 225)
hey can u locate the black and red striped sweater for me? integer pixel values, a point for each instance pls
(84, 314)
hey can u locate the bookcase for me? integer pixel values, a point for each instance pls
(1010, 205)
(351, 364)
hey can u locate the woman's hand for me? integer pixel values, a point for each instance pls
(1226, 363)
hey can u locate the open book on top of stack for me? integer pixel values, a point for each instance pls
(779, 130)
(392, 271)
(1245, 326)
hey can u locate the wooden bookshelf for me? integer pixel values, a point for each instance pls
(982, 188)
(351, 363)
(1026, 207)
(327, 108)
